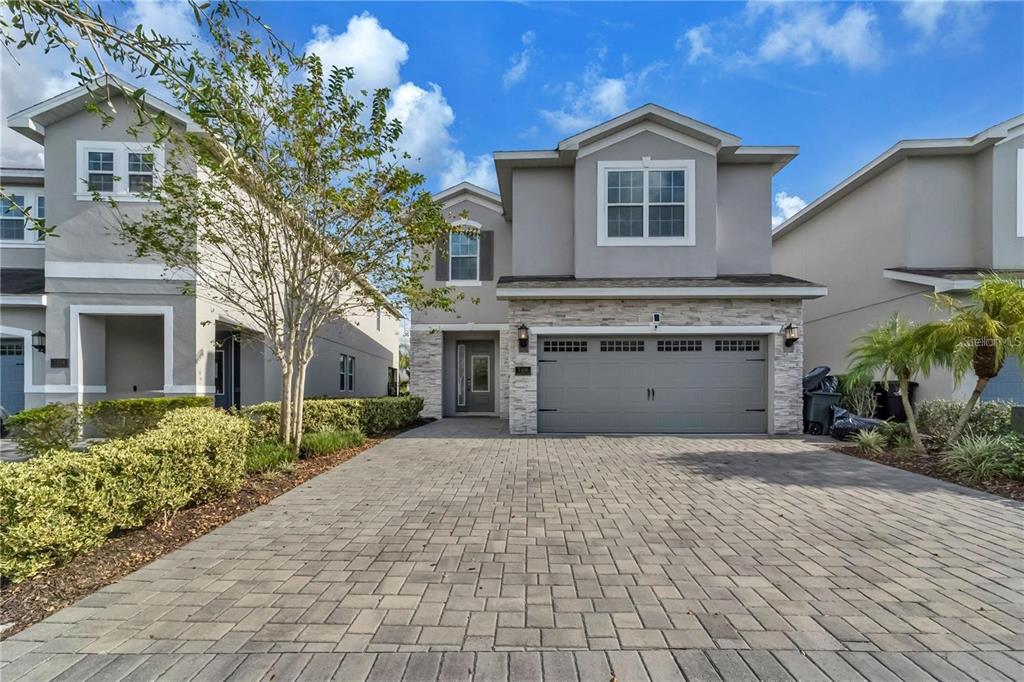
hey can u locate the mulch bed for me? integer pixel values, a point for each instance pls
(32, 600)
(929, 464)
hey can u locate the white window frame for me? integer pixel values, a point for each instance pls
(32, 237)
(1020, 192)
(120, 151)
(475, 282)
(688, 166)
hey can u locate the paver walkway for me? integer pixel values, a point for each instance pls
(455, 552)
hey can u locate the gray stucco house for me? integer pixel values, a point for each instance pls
(624, 284)
(108, 325)
(928, 215)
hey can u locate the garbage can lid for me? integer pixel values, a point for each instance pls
(814, 378)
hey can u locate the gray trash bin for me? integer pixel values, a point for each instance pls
(818, 411)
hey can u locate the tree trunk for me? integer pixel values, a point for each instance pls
(300, 401)
(296, 403)
(911, 419)
(284, 430)
(961, 421)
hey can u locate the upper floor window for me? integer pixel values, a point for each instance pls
(122, 170)
(19, 209)
(646, 203)
(464, 256)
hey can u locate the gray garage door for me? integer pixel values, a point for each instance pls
(652, 384)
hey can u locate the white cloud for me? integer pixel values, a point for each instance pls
(786, 206)
(371, 50)
(806, 34)
(478, 170)
(520, 62)
(595, 98)
(698, 40)
(951, 24)
(170, 18)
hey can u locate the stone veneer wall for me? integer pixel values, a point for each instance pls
(785, 364)
(425, 356)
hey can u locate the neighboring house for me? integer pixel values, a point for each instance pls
(634, 261)
(83, 319)
(926, 216)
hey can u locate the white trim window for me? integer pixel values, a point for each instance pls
(347, 373)
(646, 203)
(463, 258)
(15, 227)
(121, 170)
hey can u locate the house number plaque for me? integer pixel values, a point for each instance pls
(524, 371)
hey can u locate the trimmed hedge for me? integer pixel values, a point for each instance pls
(63, 503)
(132, 416)
(989, 418)
(369, 415)
(50, 427)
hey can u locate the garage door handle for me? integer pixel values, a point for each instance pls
(654, 394)
(755, 359)
(546, 409)
(753, 410)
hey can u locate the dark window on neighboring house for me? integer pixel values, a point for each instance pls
(12, 217)
(348, 371)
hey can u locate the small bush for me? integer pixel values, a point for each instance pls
(938, 417)
(50, 427)
(903, 446)
(858, 395)
(894, 433)
(326, 442)
(369, 415)
(131, 416)
(62, 503)
(268, 456)
(981, 457)
(871, 442)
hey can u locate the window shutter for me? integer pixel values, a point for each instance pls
(441, 259)
(486, 256)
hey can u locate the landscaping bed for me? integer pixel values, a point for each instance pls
(28, 602)
(930, 464)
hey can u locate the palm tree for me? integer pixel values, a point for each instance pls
(892, 349)
(980, 334)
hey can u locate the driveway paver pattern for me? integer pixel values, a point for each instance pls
(456, 552)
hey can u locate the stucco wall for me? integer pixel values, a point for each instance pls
(592, 260)
(542, 210)
(744, 240)
(488, 309)
(1007, 248)
(134, 356)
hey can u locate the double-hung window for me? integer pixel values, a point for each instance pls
(20, 211)
(464, 257)
(646, 203)
(125, 171)
(347, 373)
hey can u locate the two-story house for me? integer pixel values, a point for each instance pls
(84, 319)
(926, 216)
(620, 282)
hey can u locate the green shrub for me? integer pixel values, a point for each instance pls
(979, 457)
(989, 418)
(268, 455)
(858, 395)
(131, 416)
(325, 442)
(50, 427)
(871, 442)
(63, 502)
(894, 433)
(369, 415)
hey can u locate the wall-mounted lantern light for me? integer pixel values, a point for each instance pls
(790, 335)
(524, 338)
(39, 341)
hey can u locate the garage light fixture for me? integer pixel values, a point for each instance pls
(524, 338)
(39, 341)
(790, 335)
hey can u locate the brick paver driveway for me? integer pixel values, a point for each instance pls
(455, 551)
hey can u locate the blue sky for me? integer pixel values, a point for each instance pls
(842, 80)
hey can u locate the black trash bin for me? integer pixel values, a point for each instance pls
(889, 403)
(818, 403)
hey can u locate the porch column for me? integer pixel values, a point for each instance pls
(425, 367)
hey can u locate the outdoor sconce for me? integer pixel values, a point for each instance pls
(524, 338)
(790, 335)
(39, 341)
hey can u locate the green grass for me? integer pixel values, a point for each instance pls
(325, 442)
(268, 456)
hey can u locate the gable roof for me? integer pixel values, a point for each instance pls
(469, 192)
(32, 121)
(903, 149)
(726, 146)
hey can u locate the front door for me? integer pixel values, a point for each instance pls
(12, 375)
(474, 383)
(228, 378)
